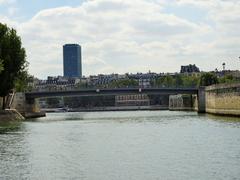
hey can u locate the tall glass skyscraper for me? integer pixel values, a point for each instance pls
(72, 60)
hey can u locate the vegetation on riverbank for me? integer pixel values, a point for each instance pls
(185, 81)
(168, 81)
(10, 120)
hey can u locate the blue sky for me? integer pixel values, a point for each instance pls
(189, 12)
(127, 36)
(25, 9)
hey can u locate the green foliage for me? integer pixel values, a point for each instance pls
(1, 66)
(179, 81)
(21, 82)
(190, 81)
(165, 81)
(208, 79)
(13, 58)
(123, 83)
(187, 81)
(169, 81)
(176, 81)
(228, 79)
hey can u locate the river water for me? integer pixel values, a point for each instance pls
(138, 145)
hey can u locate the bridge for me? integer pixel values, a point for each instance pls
(101, 92)
(26, 103)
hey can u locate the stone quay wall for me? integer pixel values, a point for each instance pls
(220, 99)
(10, 115)
(223, 99)
(27, 110)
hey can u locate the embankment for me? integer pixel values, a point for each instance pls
(10, 115)
(27, 110)
(223, 99)
(220, 99)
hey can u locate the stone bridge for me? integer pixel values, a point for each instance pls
(25, 102)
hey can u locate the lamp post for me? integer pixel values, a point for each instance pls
(224, 64)
(239, 58)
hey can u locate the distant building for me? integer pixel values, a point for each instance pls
(144, 83)
(56, 84)
(191, 68)
(132, 100)
(72, 60)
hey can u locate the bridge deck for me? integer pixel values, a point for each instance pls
(122, 91)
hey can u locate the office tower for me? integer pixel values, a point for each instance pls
(72, 60)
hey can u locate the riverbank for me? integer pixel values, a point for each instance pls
(10, 115)
(29, 115)
(223, 99)
(220, 99)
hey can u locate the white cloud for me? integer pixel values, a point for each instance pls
(131, 36)
(8, 21)
(3, 1)
(7, 1)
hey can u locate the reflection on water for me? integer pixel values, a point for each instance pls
(9, 126)
(224, 119)
(122, 145)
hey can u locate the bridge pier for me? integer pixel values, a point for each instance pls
(201, 100)
(29, 108)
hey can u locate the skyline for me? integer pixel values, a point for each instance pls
(121, 36)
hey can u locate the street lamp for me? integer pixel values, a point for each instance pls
(239, 58)
(224, 64)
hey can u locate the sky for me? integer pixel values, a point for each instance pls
(127, 36)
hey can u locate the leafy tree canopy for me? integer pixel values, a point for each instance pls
(13, 58)
(228, 79)
(176, 81)
(1, 66)
(208, 79)
(165, 81)
(123, 83)
(21, 83)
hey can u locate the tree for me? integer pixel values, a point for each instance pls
(123, 83)
(165, 81)
(21, 83)
(1, 66)
(179, 80)
(208, 79)
(13, 58)
(169, 81)
(228, 79)
(159, 82)
(191, 81)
